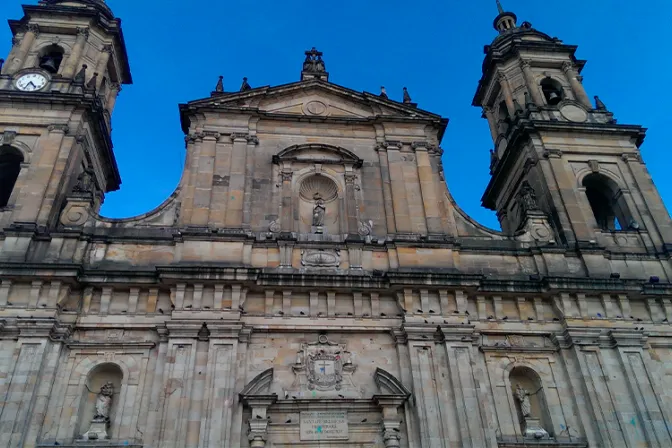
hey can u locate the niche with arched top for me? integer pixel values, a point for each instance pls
(97, 377)
(319, 205)
(50, 58)
(552, 91)
(10, 167)
(607, 202)
(529, 382)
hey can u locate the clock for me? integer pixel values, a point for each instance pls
(31, 82)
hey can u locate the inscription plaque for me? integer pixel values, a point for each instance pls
(324, 425)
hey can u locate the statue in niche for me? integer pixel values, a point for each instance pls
(527, 198)
(523, 397)
(101, 417)
(86, 182)
(318, 211)
(104, 403)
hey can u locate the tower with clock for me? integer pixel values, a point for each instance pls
(64, 71)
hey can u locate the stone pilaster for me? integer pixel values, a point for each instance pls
(470, 404)
(19, 55)
(101, 64)
(429, 198)
(234, 212)
(351, 203)
(577, 87)
(203, 179)
(286, 215)
(402, 215)
(71, 65)
(43, 181)
(506, 90)
(531, 83)
(387, 188)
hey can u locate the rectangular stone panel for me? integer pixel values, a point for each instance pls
(324, 425)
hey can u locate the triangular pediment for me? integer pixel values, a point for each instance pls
(314, 98)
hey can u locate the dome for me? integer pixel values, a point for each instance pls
(98, 5)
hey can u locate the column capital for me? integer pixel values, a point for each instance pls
(58, 128)
(421, 145)
(552, 154)
(244, 137)
(33, 28)
(83, 31)
(350, 178)
(286, 175)
(210, 135)
(567, 66)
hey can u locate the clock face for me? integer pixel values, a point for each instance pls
(31, 82)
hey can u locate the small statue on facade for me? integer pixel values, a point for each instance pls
(104, 403)
(308, 63)
(101, 417)
(527, 197)
(523, 397)
(313, 62)
(318, 211)
(86, 182)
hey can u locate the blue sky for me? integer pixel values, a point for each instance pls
(178, 48)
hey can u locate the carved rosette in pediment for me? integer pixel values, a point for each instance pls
(324, 369)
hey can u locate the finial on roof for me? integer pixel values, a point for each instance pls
(245, 86)
(220, 84)
(407, 97)
(80, 77)
(383, 92)
(504, 21)
(313, 66)
(599, 105)
(91, 85)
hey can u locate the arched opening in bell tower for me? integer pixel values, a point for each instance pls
(50, 58)
(552, 91)
(607, 202)
(10, 166)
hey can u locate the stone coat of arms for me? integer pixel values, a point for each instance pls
(324, 369)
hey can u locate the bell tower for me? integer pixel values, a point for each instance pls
(557, 153)
(58, 87)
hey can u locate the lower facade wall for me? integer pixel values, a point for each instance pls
(597, 389)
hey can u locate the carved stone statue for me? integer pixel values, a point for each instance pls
(527, 198)
(101, 417)
(308, 63)
(86, 181)
(104, 403)
(523, 397)
(318, 212)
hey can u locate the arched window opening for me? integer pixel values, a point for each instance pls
(607, 202)
(528, 394)
(51, 58)
(100, 401)
(10, 166)
(552, 91)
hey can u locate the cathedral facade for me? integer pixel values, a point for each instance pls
(311, 282)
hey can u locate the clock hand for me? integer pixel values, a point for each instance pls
(31, 84)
